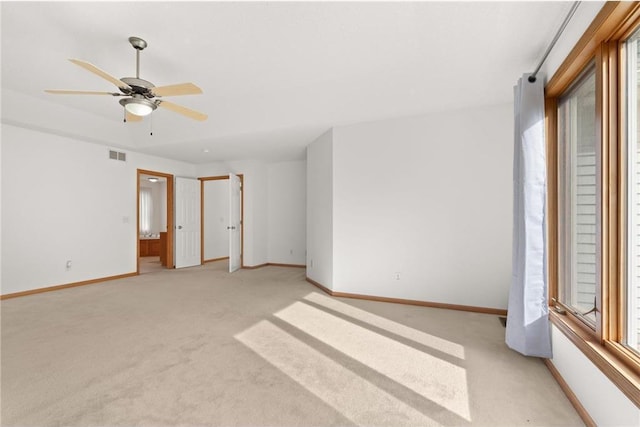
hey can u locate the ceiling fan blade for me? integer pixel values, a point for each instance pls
(80, 92)
(176, 90)
(132, 117)
(182, 110)
(95, 70)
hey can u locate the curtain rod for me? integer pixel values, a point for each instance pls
(532, 77)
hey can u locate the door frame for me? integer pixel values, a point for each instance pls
(219, 178)
(169, 178)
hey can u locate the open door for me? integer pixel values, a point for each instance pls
(166, 237)
(187, 222)
(235, 240)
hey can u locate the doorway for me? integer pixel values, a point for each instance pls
(215, 220)
(154, 225)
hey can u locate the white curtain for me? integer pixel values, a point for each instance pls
(145, 210)
(528, 329)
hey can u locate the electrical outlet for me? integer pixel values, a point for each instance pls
(68, 264)
(396, 275)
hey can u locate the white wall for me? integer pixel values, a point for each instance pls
(216, 219)
(287, 212)
(320, 210)
(63, 199)
(604, 402)
(212, 169)
(430, 198)
(258, 207)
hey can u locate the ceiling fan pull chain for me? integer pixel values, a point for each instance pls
(124, 111)
(151, 125)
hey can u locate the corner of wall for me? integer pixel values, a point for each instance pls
(320, 210)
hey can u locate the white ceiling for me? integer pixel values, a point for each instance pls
(275, 75)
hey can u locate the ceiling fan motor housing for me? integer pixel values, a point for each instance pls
(138, 86)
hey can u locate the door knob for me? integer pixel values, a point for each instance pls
(179, 227)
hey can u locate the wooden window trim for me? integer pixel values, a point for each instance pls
(602, 41)
(615, 20)
(613, 330)
(620, 373)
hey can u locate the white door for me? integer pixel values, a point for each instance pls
(187, 222)
(235, 243)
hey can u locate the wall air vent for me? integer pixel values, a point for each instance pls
(117, 155)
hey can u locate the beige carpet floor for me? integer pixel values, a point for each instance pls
(150, 264)
(202, 347)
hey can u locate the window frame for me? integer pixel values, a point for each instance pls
(564, 237)
(603, 42)
(628, 171)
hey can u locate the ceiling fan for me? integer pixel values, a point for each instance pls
(141, 96)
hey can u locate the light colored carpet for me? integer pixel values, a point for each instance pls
(150, 264)
(201, 347)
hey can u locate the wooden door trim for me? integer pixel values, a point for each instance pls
(169, 177)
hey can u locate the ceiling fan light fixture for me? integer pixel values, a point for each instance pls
(138, 109)
(138, 106)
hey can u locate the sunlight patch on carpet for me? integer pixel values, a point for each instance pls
(336, 385)
(399, 329)
(435, 379)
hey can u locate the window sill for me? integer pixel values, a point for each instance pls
(622, 375)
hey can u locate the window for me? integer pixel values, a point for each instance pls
(632, 288)
(577, 147)
(146, 207)
(592, 113)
